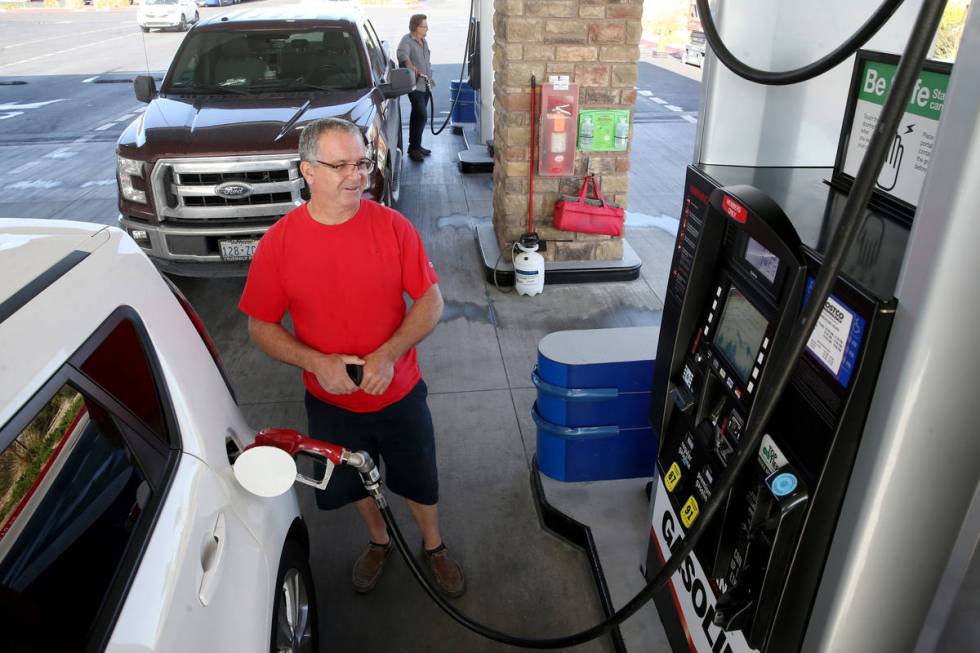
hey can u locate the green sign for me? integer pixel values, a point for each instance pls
(603, 130)
(927, 97)
(910, 149)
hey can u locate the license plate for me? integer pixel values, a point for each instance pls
(238, 250)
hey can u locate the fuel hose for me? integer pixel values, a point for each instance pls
(781, 365)
(809, 71)
(470, 39)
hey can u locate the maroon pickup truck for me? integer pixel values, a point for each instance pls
(212, 163)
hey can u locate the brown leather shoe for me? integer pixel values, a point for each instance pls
(446, 571)
(368, 566)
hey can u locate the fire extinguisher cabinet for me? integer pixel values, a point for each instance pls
(558, 130)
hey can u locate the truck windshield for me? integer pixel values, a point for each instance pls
(212, 62)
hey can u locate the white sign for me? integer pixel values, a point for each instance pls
(829, 338)
(560, 82)
(690, 587)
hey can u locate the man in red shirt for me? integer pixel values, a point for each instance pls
(340, 265)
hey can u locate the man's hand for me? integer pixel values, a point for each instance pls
(379, 369)
(331, 372)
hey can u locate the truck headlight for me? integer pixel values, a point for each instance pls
(129, 171)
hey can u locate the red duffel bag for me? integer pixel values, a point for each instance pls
(589, 216)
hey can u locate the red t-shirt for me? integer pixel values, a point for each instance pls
(343, 285)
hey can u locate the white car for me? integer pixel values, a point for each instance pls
(177, 14)
(122, 527)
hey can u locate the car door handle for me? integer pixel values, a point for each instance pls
(212, 555)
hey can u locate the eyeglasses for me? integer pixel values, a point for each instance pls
(364, 166)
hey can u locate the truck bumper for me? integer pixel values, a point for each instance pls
(191, 251)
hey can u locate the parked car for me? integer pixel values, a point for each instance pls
(212, 163)
(220, 3)
(122, 527)
(167, 14)
(693, 54)
(696, 45)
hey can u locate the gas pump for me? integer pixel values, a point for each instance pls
(740, 277)
(751, 581)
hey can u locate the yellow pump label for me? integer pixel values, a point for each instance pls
(689, 512)
(673, 477)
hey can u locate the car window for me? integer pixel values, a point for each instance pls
(213, 62)
(119, 364)
(72, 503)
(374, 51)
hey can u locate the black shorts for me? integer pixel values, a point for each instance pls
(401, 434)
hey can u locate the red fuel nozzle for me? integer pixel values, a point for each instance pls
(293, 442)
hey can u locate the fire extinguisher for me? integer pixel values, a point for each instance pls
(556, 148)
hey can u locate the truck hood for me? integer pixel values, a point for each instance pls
(216, 126)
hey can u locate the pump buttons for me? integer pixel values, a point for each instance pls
(783, 484)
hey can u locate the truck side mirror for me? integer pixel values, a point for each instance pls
(400, 82)
(145, 87)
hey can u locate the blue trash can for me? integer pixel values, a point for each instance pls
(465, 109)
(593, 404)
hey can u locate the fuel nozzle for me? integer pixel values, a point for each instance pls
(295, 443)
(370, 476)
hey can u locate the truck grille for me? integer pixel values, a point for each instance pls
(188, 190)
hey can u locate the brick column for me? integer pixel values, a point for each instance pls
(595, 43)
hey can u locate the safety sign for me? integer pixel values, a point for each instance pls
(910, 150)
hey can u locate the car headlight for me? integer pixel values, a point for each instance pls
(129, 171)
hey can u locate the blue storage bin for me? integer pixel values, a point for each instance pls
(593, 405)
(594, 453)
(620, 358)
(465, 109)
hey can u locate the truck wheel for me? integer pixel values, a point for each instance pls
(400, 146)
(386, 193)
(294, 616)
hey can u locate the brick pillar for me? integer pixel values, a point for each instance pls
(595, 43)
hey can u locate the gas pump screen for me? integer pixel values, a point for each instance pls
(740, 333)
(762, 260)
(836, 339)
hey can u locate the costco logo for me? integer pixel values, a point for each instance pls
(735, 211)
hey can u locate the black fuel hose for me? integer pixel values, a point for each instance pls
(470, 37)
(822, 65)
(781, 365)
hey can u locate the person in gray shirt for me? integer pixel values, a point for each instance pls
(413, 53)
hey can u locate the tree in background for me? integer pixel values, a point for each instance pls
(667, 20)
(950, 30)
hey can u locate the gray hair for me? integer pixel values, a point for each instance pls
(309, 139)
(415, 21)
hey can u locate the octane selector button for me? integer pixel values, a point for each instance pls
(783, 484)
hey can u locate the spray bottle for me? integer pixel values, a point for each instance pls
(586, 133)
(622, 133)
(528, 266)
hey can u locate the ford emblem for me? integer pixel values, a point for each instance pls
(233, 190)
